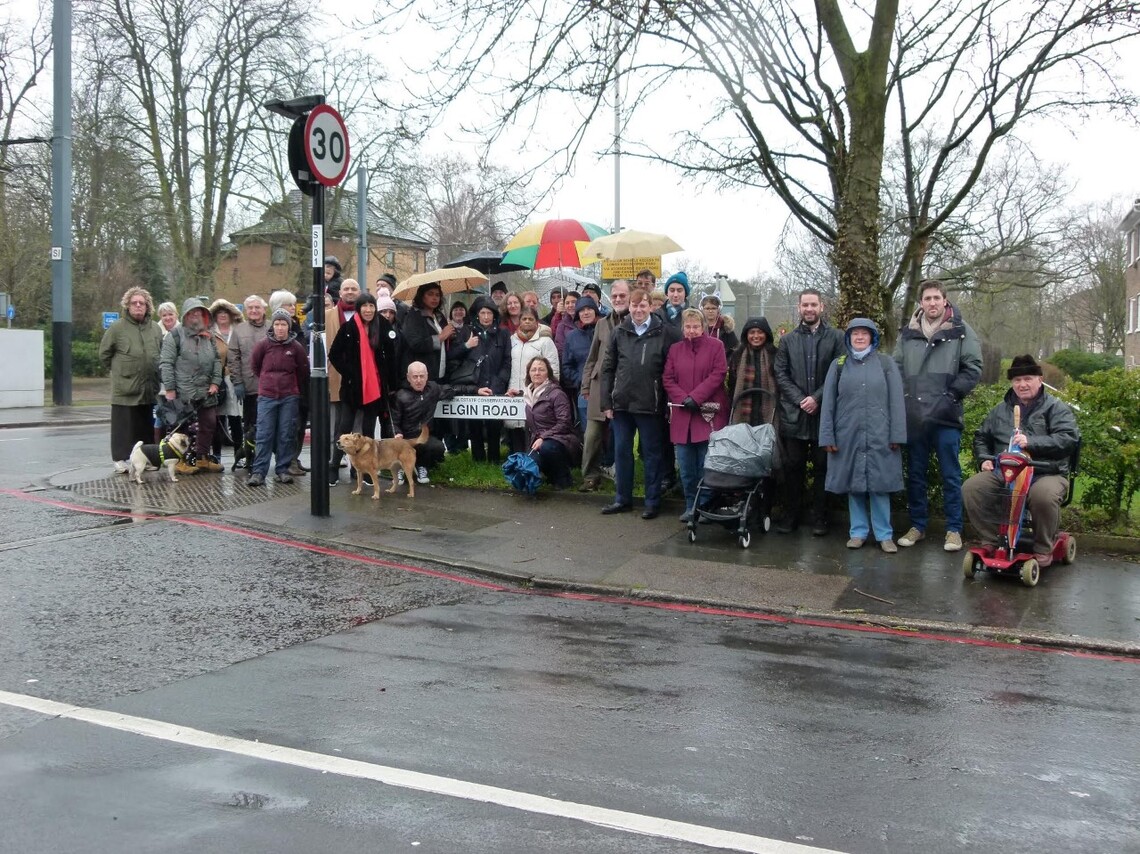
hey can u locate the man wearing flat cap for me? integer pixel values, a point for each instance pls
(1048, 434)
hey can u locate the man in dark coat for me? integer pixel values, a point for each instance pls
(634, 398)
(802, 360)
(1048, 433)
(414, 406)
(941, 362)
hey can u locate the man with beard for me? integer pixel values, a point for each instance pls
(802, 361)
(192, 371)
(597, 426)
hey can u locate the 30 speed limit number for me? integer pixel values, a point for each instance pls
(326, 145)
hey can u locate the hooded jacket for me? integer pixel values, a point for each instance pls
(862, 415)
(190, 362)
(130, 350)
(938, 373)
(489, 362)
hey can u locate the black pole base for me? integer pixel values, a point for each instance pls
(319, 447)
(61, 363)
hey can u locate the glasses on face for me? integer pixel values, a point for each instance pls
(141, 302)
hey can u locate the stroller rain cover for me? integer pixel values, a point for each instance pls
(742, 451)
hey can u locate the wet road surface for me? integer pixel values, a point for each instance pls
(818, 737)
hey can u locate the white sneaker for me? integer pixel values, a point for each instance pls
(400, 478)
(422, 475)
(121, 467)
(953, 542)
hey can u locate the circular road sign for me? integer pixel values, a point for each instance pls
(326, 145)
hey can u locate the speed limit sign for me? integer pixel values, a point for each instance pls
(326, 145)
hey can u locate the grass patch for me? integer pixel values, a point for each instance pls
(461, 470)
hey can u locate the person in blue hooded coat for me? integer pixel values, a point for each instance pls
(862, 428)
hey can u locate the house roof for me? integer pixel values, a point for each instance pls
(340, 218)
(1132, 218)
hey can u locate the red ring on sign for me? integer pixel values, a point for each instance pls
(319, 110)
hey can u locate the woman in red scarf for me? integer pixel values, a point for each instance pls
(364, 353)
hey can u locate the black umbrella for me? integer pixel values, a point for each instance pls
(486, 261)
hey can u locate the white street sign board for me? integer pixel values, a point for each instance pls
(483, 408)
(326, 145)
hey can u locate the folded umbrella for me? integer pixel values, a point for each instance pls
(522, 473)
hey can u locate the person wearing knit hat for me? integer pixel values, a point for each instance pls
(332, 276)
(676, 298)
(499, 296)
(282, 368)
(1048, 433)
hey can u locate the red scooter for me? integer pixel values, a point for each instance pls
(1013, 555)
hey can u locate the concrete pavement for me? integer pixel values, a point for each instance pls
(560, 541)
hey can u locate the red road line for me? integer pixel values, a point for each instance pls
(706, 610)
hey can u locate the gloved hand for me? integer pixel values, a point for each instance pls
(239, 392)
(691, 405)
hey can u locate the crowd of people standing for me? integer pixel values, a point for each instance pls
(647, 377)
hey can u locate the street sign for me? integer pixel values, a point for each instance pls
(630, 267)
(109, 317)
(326, 145)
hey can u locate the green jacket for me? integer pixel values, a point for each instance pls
(130, 351)
(939, 372)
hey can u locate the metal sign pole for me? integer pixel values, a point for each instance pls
(319, 442)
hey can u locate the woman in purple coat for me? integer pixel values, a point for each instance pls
(550, 424)
(694, 381)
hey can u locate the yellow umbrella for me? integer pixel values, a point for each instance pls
(631, 244)
(450, 280)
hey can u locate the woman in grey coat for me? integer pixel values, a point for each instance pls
(862, 428)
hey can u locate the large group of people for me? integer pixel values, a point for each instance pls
(644, 378)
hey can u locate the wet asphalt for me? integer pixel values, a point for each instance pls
(809, 734)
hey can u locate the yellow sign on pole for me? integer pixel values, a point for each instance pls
(630, 267)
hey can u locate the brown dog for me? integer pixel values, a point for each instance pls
(369, 456)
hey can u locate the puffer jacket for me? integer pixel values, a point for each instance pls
(802, 361)
(130, 350)
(1047, 422)
(550, 417)
(282, 367)
(634, 365)
(939, 373)
(190, 363)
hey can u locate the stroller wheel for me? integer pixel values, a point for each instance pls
(1030, 573)
(745, 539)
(692, 535)
(766, 524)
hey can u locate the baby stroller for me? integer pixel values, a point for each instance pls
(735, 487)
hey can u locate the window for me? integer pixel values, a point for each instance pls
(1133, 314)
(276, 255)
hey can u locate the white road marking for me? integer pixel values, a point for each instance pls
(663, 828)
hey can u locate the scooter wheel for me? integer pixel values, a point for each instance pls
(692, 536)
(1030, 573)
(1070, 555)
(971, 563)
(766, 524)
(745, 539)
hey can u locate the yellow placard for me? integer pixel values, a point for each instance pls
(630, 267)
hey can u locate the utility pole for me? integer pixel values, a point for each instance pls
(61, 206)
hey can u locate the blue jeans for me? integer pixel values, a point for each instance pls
(276, 432)
(691, 461)
(880, 517)
(946, 443)
(582, 406)
(650, 430)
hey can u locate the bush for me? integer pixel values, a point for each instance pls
(84, 357)
(1078, 364)
(1109, 418)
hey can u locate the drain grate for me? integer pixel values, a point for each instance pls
(199, 493)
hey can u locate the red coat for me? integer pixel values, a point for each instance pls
(695, 368)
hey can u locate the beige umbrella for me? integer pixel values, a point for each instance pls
(631, 244)
(450, 280)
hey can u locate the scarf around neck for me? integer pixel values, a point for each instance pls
(531, 394)
(369, 376)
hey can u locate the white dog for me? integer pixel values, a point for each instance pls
(152, 457)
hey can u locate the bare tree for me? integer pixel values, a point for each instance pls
(802, 109)
(192, 73)
(1095, 303)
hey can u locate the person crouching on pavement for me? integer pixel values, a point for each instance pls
(282, 368)
(192, 371)
(1048, 434)
(862, 427)
(550, 424)
(413, 407)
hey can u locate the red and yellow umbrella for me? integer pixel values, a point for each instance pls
(553, 243)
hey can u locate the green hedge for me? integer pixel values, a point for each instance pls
(84, 358)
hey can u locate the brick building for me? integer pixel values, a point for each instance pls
(274, 253)
(1130, 228)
